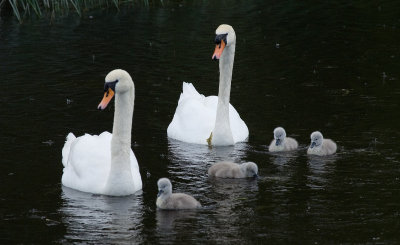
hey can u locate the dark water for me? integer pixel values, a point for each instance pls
(303, 65)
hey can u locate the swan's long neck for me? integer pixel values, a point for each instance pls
(222, 133)
(120, 173)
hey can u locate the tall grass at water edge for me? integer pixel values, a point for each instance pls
(23, 8)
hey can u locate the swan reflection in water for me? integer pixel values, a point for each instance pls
(190, 162)
(195, 154)
(101, 219)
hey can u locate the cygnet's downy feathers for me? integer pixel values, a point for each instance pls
(233, 170)
(173, 201)
(320, 146)
(281, 142)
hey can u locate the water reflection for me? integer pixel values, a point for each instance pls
(166, 218)
(321, 167)
(231, 192)
(200, 154)
(233, 204)
(282, 159)
(191, 161)
(98, 218)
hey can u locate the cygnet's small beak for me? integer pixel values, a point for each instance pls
(159, 193)
(312, 144)
(255, 176)
(277, 142)
(219, 48)
(108, 95)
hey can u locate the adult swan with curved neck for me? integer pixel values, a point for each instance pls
(211, 120)
(105, 164)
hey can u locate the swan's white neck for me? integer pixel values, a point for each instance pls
(222, 133)
(120, 181)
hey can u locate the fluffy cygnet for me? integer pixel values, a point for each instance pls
(173, 201)
(233, 170)
(320, 146)
(281, 142)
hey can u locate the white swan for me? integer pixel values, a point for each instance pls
(233, 170)
(320, 146)
(172, 201)
(196, 116)
(105, 164)
(281, 142)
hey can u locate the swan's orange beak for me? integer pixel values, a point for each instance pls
(219, 48)
(108, 95)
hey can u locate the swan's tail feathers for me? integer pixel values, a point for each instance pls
(67, 147)
(189, 91)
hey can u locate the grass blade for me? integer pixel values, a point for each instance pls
(14, 6)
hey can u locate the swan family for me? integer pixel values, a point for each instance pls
(105, 163)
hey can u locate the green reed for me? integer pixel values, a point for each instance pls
(23, 8)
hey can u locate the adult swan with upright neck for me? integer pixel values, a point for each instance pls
(211, 120)
(105, 164)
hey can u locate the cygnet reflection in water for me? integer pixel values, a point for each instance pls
(167, 218)
(320, 168)
(228, 194)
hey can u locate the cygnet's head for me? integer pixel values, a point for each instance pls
(117, 82)
(316, 139)
(250, 169)
(225, 37)
(164, 187)
(279, 135)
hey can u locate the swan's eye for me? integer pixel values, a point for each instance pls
(110, 85)
(221, 37)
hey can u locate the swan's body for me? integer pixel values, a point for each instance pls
(105, 163)
(194, 119)
(233, 170)
(281, 142)
(173, 201)
(320, 146)
(211, 120)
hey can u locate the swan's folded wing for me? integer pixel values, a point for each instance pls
(193, 120)
(89, 163)
(189, 92)
(67, 147)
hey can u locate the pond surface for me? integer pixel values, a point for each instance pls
(306, 66)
